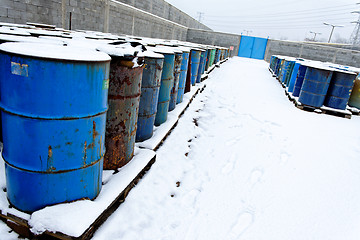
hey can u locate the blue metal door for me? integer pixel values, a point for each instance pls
(252, 47)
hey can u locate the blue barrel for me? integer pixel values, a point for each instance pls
(299, 80)
(205, 60)
(201, 66)
(288, 73)
(195, 56)
(183, 72)
(340, 88)
(54, 103)
(175, 88)
(272, 62)
(207, 63)
(293, 76)
(167, 82)
(315, 86)
(150, 86)
(217, 55)
(284, 71)
(280, 67)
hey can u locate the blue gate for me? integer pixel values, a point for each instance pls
(252, 47)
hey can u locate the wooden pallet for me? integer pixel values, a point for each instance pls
(21, 226)
(323, 110)
(353, 110)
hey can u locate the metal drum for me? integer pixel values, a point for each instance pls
(195, 56)
(54, 103)
(217, 55)
(207, 63)
(121, 119)
(175, 87)
(284, 70)
(299, 80)
(289, 72)
(354, 100)
(150, 86)
(315, 85)
(293, 76)
(340, 88)
(201, 66)
(278, 66)
(205, 60)
(167, 82)
(212, 57)
(188, 76)
(183, 72)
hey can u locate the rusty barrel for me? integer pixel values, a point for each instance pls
(354, 100)
(339, 91)
(183, 73)
(149, 95)
(315, 86)
(175, 87)
(54, 103)
(167, 82)
(121, 120)
(188, 75)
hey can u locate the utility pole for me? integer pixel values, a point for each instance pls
(332, 30)
(355, 38)
(200, 15)
(247, 32)
(315, 33)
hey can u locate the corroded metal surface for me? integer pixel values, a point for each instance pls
(174, 89)
(121, 119)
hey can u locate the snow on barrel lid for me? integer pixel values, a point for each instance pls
(184, 49)
(122, 50)
(317, 65)
(150, 54)
(162, 50)
(52, 51)
(14, 31)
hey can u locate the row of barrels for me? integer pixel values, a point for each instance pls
(318, 84)
(74, 102)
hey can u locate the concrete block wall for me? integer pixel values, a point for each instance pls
(214, 38)
(165, 10)
(124, 19)
(312, 52)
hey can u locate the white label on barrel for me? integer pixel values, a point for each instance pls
(106, 84)
(19, 69)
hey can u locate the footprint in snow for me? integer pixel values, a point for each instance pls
(244, 221)
(229, 166)
(284, 157)
(255, 176)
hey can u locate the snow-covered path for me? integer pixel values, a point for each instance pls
(244, 163)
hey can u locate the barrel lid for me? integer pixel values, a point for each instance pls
(150, 54)
(162, 50)
(122, 50)
(339, 70)
(184, 49)
(317, 65)
(14, 31)
(52, 51)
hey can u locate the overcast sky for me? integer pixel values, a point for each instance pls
(277, 19)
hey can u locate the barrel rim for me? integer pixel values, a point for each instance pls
(10, 49)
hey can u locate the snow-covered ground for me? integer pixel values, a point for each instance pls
(244, 163)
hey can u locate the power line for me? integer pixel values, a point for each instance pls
(289, 12)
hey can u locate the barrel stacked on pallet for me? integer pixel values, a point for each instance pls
(317, 85)
(78, 104)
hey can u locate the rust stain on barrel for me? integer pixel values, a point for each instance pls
(124, 96)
